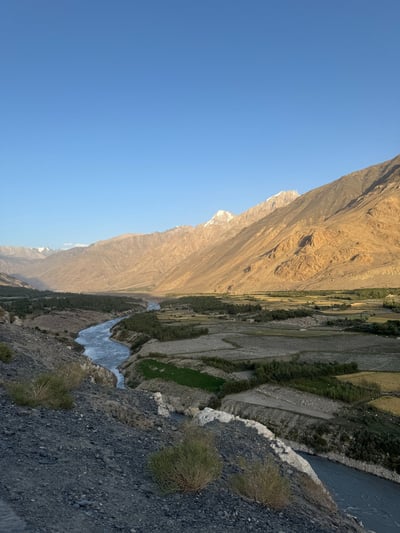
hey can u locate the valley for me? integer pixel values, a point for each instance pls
(316, 413)
(85, 466)
(287, 315)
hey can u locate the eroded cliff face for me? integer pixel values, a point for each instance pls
(311, 434)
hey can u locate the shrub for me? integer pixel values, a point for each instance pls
(50, 390)
(316, 494)
(47, 390)
(281, 314)
(333, 388)
(5, 353)
(235, 386)
(21, 301)
(210, 304)
(72, 375)
(282, 371)
(262, 482)
(189, 466)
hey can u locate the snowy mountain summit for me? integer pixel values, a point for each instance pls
(220, 217)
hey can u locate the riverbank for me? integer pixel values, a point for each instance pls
(67, 323)
(362, 466)
(86, 469)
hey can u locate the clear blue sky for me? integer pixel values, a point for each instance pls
(124, 116)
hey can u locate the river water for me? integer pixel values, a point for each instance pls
(102, 350)
(374, 501)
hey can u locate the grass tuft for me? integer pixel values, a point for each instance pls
(73, 374)
(50, 390)
(189, 466)
(262, 482)
(46, 390)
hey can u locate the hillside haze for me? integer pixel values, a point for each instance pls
(343, 235)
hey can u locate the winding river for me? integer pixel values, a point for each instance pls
(102, 350)
(374, 501)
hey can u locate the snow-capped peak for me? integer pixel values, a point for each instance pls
(220, 217)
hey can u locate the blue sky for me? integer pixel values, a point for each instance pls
(124, 116)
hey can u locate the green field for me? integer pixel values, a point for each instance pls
(151, 369)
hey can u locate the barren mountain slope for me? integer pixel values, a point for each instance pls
(138, 262)
(10, 281)
(124, 262)
(342, 235)
(13, 258)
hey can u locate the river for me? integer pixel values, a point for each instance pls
(373, 500)
(102, 350)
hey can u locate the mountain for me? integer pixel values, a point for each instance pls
(15, 258)
(343, 235)
(220, 218)
(138, 262)
(10, 281)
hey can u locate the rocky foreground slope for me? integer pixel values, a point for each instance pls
(85, 469)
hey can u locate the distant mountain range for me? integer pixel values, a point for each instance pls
(134, 261)
(343, 235)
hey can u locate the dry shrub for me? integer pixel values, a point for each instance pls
(189, 466)
(98, 374)
(316, 494)
(72, 374)
(49, 390)
(262, 482)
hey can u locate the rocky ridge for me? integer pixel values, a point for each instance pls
(343, 235)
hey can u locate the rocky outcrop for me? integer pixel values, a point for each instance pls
(284, 452)
(178, 398)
